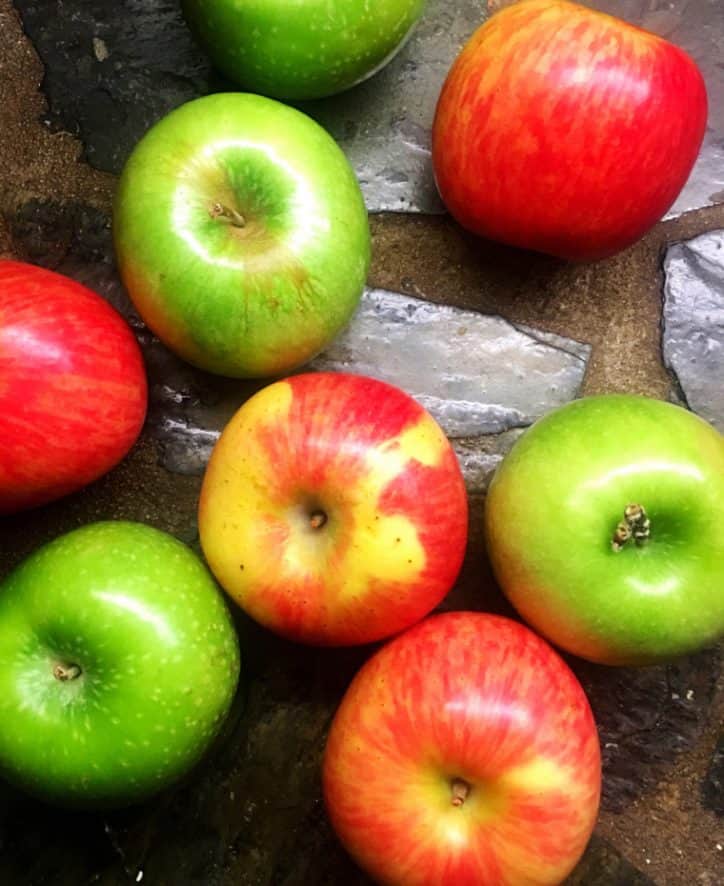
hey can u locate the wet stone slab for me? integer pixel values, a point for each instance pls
(693, 329)
(114, 69)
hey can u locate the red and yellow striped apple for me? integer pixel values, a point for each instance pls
(464, 752)
(333, 509)
(72, 386)
(565, 130)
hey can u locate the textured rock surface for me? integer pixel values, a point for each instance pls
(113, 69)
(713, 787)
(693, 335)
(646, 718)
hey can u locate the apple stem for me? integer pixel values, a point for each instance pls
(460, 791)
(318, 519)
(635, 525)
(66, 672)
(218, 210)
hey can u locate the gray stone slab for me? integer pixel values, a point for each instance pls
(481, 377)
(693, 331)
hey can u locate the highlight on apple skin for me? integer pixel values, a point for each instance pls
(333, 509)
(567, 131)
(241, 235)
(464, 751)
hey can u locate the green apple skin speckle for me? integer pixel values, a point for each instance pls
(301, 49)
(119, 665)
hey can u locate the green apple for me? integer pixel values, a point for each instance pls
(241, 235)
(299, 49)
(119, 665)
(605, 528)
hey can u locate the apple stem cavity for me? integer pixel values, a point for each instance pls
(226, 213)
(460, 791)
(635, 525)
(317, 519)
(65, 672)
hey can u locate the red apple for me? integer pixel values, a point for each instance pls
(333, 509)
(464, 752)
(72, 386)
(565, 130)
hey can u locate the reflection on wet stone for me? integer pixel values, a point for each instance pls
(693, 335)
(114, 69)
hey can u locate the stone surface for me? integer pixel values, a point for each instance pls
(113, 69)
(693, 328)
(713, 787)
(647, 717)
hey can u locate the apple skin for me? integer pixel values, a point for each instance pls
(552, 510)
(473, 698)
(260, 295)
(567, 131)
(301, 49)
(380, 471)
(139, 614)
(73, 387)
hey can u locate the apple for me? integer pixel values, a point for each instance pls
(465, 752)
(120, 662)
(605, 529)
(241, 235)
(564, 130)
(333, 509)
(303, 49)
(72, 386)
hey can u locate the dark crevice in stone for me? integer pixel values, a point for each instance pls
(149, 64)
(647, 717)
(604, 865)
(713, 787)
